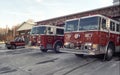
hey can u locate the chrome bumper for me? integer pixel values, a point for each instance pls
(78, 51)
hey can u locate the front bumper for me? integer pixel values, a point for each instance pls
(78, 51)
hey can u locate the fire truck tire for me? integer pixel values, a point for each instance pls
(44, 50)
(57, 47)
(8, 48)
(13, 47)
(109, 53)
(79, 55)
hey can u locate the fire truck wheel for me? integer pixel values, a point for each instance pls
(79, 55)
(57, 48)
(44, 50)
(109, 53)
(13, 47)
(8, 48)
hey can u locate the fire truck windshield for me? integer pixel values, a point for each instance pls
(71, 25)
(38, 30)
(91, 23)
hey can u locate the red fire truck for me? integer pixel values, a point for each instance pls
(92, 35)
(47, 37)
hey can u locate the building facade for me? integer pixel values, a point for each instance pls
(25, 28)
(110, 11)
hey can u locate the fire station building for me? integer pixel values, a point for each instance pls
(25, 28)
(110, 11)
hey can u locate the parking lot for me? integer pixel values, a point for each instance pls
(31, 61)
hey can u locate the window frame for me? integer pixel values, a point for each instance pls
(118, 28)
(59, 31)
(104, 28)
(112, 26)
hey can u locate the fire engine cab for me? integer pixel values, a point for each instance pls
(47, 37)
(92, 35)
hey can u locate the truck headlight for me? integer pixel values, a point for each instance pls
(67, 45)
(95, 46)
(88, 46)
(72, 45)
(39, 41)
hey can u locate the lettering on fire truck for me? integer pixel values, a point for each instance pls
(92, 35)
(47, 37)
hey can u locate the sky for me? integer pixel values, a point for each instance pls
(14, 12)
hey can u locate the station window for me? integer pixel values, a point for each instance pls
(118, 27)
(112, 26)
(103, 23)
(60, 31)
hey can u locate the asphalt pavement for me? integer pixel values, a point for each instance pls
(30, 61)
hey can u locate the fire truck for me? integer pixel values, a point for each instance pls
(92, 35)
(47, 37)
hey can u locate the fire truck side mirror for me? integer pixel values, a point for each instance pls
(45, 31)
(30, 33)
(50, 30)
